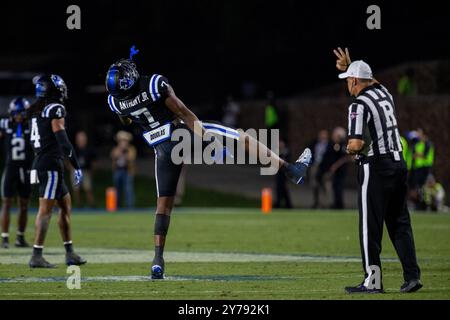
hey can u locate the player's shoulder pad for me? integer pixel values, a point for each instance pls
(4, 124)
(54, 111)
(112, 104)
(158, 86)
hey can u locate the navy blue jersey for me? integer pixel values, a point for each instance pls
(17, 146)
(147, 107)
(48, 152)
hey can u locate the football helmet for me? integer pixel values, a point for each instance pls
(51, 86)
(121, 78)
(18, 105)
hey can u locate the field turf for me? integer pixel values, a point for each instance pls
(225, 254)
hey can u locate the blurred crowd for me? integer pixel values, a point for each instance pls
(123, 158)
(327, 176)
(329, 168)
(425, 193)
(326, 179)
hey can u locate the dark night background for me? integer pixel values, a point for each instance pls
(208, 49)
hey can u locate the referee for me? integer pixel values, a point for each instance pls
(375, 140)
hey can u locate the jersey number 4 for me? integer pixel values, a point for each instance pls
(35, 137)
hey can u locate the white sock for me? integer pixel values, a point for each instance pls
(5, 235)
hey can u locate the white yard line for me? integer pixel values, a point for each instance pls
(174, 278)
(103, 255)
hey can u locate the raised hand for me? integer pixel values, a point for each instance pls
(343, 58)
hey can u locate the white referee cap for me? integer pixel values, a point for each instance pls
(357, 69)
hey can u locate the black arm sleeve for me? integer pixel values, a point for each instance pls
(67, 148)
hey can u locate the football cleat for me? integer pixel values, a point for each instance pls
(21, 243)
(411, 286)
(5, 243)
(72, 259)
(296, 171)
(157, 272)
(40, 262)
(362, 289)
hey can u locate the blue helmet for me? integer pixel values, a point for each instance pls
(51, 86)
(18, 105)
(121, 78)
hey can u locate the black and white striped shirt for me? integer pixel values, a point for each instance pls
(371, 117)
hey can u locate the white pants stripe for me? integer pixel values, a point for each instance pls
(55, 184)
(364, 223)
(48, 186)
(52, 183)
(156, 172)
(221, 130)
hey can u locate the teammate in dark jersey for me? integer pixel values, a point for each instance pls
(51, 144)
(15, 177)
(150, 102)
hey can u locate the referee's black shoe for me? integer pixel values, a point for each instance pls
(411, 286)
(362, 289)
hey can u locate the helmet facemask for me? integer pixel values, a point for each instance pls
(121, 78)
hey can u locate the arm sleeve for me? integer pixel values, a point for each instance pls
(67, 148)
(357, 120)
(54, 111)
(158, 87)
(112, 103)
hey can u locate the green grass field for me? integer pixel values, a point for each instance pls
(225, 254)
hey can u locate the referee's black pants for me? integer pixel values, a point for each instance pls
(382, 198)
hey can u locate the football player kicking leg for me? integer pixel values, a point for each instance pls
(167, 173)
(150, 102)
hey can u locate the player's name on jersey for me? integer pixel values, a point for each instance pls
(158, 134)
(130, 103)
